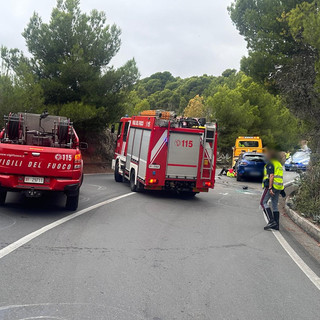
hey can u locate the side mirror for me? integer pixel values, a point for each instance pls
(83, 146)
(112, 128)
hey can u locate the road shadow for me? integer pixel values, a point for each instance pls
(170, 195)
(49, 204)
(251, 179)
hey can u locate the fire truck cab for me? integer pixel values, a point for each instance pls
(38, 154)
(158, 151)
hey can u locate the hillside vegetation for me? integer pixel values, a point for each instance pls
(239, 104)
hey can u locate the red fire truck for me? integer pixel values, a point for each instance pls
(157, 151)
(40, 153)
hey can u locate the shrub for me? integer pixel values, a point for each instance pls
(307, 199)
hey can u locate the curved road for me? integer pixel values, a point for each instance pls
(150, 256)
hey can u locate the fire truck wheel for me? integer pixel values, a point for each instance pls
(3, 195)
(72, 202)
(133, 185)
(117, 175)
(140, 186)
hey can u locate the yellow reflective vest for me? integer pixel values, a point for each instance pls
(231, 174)
(278, 175)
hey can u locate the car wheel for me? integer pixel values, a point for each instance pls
(117, 175)
(72, 202)
(239, 178)
(3, 196)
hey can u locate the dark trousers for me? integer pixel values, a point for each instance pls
(266, 197)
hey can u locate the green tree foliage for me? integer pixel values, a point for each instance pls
(19, 94)
(300, 80)
(249, 109)
(241, 106)
(268, 36)
(284, 52)
(163, 91)
(141, 106)
(195, 108)
(70, 59)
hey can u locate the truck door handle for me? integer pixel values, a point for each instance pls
(36, 154)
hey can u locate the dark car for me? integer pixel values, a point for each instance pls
(299, 161)
(250, 165)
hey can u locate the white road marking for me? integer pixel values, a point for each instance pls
(247, 192)
(19, 243)
(296, 258)
(67, 304)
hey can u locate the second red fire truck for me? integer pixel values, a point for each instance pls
(157, 151)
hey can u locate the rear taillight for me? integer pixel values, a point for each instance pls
(208, 184)
(77, 158)
(77, 161)
(153, 181)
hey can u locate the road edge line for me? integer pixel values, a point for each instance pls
(22, 241)
(311, 275)
(297, 259)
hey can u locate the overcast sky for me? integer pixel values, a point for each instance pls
(185, 37)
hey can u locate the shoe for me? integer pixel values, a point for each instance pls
(271, 225)
(276, 215)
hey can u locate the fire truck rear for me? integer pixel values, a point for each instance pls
(157, 151)
(40, 153)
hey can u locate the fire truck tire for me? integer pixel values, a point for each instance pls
(3, 196)
(140, 186)
(117, 175)
(133, 185)
(72, 202)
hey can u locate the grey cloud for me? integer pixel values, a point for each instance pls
(185, 37)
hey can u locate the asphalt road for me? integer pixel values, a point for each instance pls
(150, 256)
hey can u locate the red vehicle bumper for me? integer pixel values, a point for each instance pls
(16, 183)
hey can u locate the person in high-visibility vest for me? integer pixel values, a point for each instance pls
(272, 187)
(231, 173)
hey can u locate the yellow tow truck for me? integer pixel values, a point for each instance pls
(246, 144)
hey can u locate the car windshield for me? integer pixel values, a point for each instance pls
(300, 155)
(249, 144)
(255, 157)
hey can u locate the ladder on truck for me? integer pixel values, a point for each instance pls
(208, 153)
